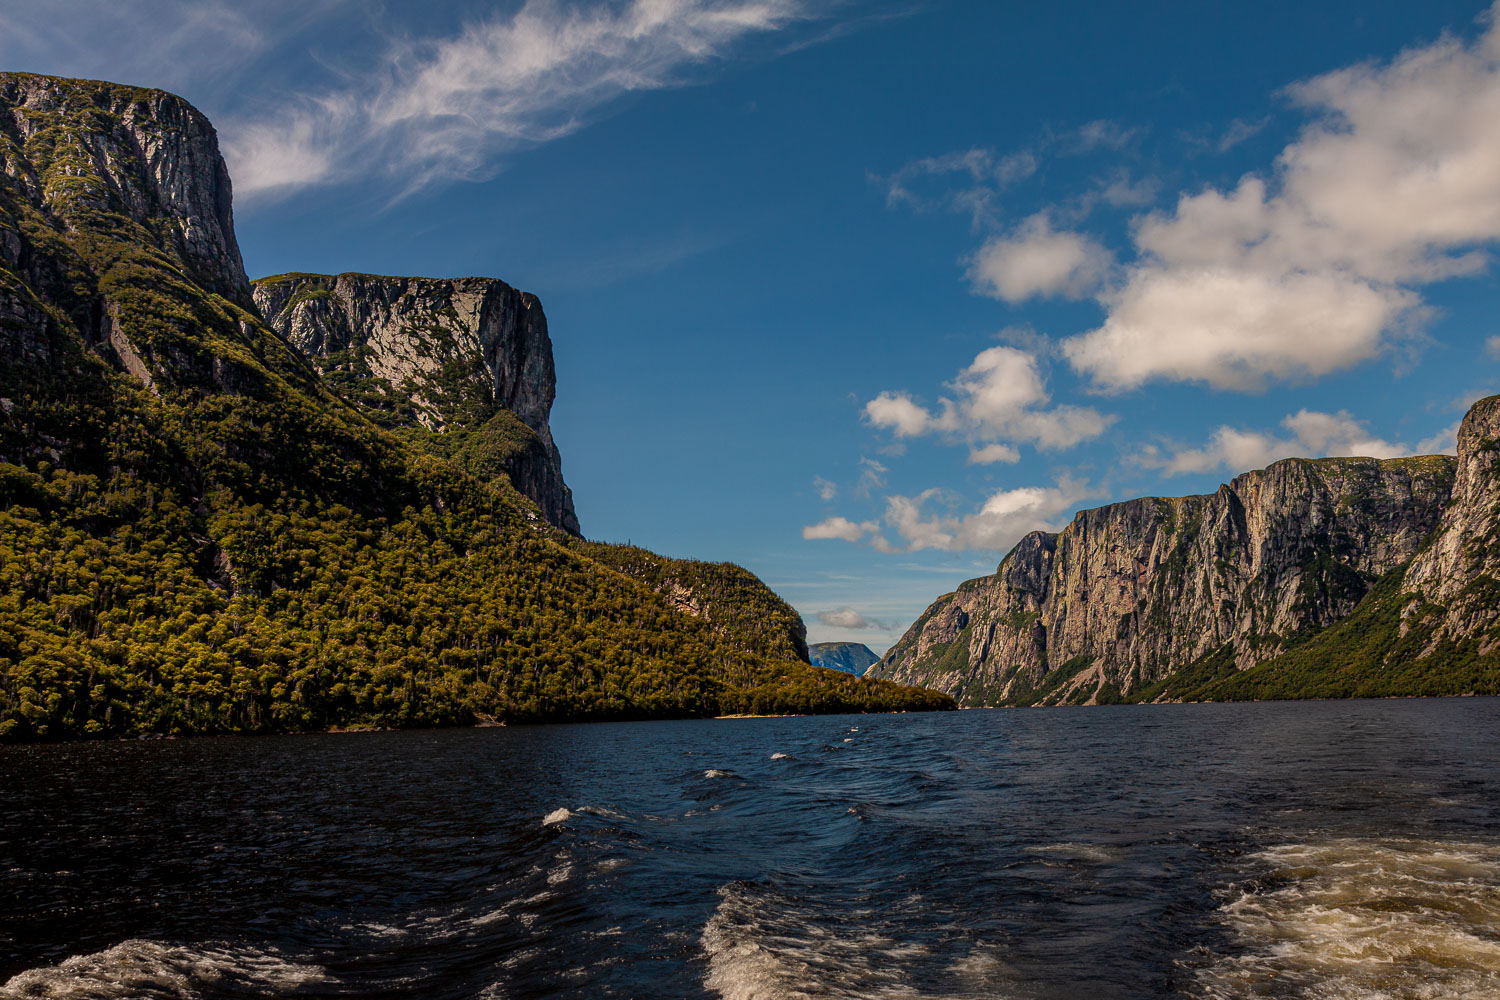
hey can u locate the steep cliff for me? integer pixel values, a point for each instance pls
(447, 356)
(198, 535)
(1130, 595)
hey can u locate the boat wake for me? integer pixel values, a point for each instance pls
(146, 970)
(1356, 919)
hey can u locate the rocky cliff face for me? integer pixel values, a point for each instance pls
(74, 146)
(115, 220)
(1454, 582)
(1129, 593)
(445, 354)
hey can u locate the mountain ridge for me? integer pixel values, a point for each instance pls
(1185, 598)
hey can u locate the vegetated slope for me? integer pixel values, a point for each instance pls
(198, 535)
(850, 657)
(1159, 598)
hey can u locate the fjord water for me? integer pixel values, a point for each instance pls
(1321, 849)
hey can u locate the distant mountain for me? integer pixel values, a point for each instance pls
(1339, 577)
(352, 515)
(850, 657)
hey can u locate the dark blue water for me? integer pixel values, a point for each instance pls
(1281, 850)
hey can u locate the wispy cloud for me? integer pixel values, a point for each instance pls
(443, 109)
(190, 46)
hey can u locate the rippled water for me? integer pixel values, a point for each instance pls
(1319, 850)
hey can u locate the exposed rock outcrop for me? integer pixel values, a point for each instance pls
(445, 354)
(1131, 592)
(77, 146)
(1455, 579)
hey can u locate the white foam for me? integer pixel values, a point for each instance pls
(556, 816)
(1354, 919)
(714, 772)
(781, 756)
(141, 969)
(764, 946)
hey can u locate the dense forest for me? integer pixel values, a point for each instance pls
(198, 534)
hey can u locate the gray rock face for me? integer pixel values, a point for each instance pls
(850, 657)
(1130, 592)
(1455, 580)
(146, 154)
(445, 354)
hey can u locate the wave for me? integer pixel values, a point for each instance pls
(1356, 919)
(765, 945)
(556, 816)
(146, 970)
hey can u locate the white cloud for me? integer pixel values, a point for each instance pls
(1036, 260)
(840, 527)
(1001, 397)
(827, 490)
(992, 453)
(1395, 184)
(897, 411)
(1492, 347)
(1444, 442)
(847, 617)
(444, 109)
(996, 526)
(1311, 435)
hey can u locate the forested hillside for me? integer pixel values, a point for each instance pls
(198, 535)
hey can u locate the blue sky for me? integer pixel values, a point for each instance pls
(856, 293)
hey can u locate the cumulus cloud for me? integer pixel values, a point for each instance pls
(840, 527)
(444, 109)
(992, 453)
(1394, 184)
(1000, 398)
(1036, 260)
(1310, 434)
(847, 617)
(1001, 521)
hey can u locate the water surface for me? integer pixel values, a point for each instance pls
(1323, 849)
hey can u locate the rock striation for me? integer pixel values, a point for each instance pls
(850, 657)
(1132, 593)
(444, 354)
